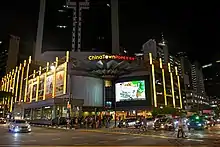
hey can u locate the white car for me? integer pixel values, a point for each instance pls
(19, 126)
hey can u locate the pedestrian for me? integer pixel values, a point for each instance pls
(180, 128)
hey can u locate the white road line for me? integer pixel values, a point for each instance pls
(74, 137)
(122, 139)
(56, 139)
(104, 141)
(137, 137)
(32, 140)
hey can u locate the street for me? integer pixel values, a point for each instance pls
(57, 137)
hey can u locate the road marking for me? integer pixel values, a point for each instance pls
(138, 137)
(56, 139)
(32, 140)
(122, 139)
(103, 141)
(74, 137)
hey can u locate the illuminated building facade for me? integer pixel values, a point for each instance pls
(89, 85)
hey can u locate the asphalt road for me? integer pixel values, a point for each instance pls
(55, 137)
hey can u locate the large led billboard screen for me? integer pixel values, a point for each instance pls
(130, 91)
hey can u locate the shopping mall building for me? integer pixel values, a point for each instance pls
(86, 83)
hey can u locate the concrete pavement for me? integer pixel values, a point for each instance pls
(55, 137)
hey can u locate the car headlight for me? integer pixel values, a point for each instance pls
(199, 125)
(29, 126)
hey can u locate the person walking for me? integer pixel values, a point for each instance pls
(180, 129)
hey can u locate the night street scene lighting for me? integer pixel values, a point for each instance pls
(109, 72)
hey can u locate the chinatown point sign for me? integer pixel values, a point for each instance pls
(110, 57)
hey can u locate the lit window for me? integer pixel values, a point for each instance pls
(108, 83)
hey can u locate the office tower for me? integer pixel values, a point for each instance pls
(9, 49)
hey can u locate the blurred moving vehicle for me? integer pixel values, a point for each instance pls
(3, 120)
(197, 124)
(149, 123)
(164, 124)
(210, 122)
(19, 126)
(128, 123)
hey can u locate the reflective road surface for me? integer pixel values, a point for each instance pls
(58, 137)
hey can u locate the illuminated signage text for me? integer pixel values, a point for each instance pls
(110, 57)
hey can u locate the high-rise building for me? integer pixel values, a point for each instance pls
(70, 25)
(195, 96)
(9, 50)
(212, 82)
(197, 78)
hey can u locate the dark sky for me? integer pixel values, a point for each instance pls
(190, 27)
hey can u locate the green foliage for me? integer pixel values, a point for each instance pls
(168, 110)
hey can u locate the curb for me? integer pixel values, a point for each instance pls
(52, 127)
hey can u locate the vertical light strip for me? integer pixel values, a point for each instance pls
(32, 86)
(38, 83)
(8, 82)
(5, 86)
(161, 64)
(150, 58)
(54, 78)
(14, 80)
(11, 89)
(154, 86)
(27, 78)
(8, 89)
(17, 83)
(45, 80)
(65, 73)
(179, 89)
(172, 88)
(164, 88)
(21, 83)
(178, 80)
(164, 84)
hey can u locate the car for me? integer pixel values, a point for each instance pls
(197, 124)
(3, 121)
(164, 124)
(210, 122)
(127, 123)
(19, 126)
(149, 123)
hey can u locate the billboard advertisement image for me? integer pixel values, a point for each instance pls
(59, 83)
(34, 90)
(130, 91)
(49, 86)
(41, 88)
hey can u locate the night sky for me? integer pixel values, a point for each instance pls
(190, 27)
